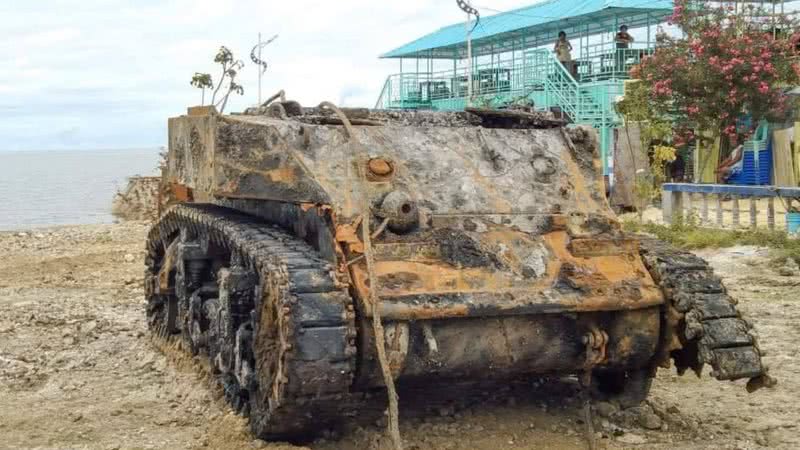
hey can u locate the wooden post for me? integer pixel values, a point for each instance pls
(704, 213)
(719, 211)
(753, 213)
(735, 208)
(771, 213)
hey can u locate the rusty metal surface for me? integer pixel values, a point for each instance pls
(505, 221)
(493, 252)
(493, 249)
(497, 347)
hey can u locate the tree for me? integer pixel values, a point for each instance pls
(202, 81)
(728, 62)
(230, 68)
(654, 131)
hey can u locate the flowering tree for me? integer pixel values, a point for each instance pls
(727, 63)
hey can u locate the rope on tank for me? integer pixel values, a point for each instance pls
(374, 299)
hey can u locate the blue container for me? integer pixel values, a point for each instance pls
(756, 159)
(793, 222)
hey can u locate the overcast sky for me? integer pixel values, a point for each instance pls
(78, 74)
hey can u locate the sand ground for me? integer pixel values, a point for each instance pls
(78, 371)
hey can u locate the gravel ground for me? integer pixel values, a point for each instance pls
(78, 371)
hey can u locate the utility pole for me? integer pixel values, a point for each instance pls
(467, 8)
(469, 61)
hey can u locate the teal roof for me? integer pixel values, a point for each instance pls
(538, 24)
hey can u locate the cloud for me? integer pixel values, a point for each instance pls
(108, 73)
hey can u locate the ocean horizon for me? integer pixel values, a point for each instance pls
(41, 188)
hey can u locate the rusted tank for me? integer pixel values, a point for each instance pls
(482, 239)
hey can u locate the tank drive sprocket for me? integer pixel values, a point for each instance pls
(705, 321)
(269, 313)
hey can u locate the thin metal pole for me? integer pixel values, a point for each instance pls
(469, 60)
(402, 85)
(454, 90)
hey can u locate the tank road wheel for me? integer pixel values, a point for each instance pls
(701, 322)
(162, 303)
(267, 311)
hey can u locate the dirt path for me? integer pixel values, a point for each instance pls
(77, 371)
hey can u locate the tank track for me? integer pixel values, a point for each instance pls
(709, 327)
(276, 324)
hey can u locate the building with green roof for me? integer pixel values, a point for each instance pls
(513, 61)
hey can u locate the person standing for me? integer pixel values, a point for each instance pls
(623, 40)
(563, 51)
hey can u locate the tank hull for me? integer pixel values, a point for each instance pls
(508, 221)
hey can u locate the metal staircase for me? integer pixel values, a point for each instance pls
(539, 77)
(583, 103)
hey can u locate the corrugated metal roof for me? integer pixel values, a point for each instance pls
(541, 17)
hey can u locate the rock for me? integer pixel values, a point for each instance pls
(258, 443)
(605, 409)
(646, 417)
(88, 327)
(789, 269)
(129, 258)
(632, 439)
(650, 421)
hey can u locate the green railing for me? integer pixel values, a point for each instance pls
(584, 90)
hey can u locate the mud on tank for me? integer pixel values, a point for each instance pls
(494, 254)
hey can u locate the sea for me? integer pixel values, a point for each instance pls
(66, 187)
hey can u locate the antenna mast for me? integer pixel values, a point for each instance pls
(255, 56)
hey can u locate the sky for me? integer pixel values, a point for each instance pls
(90, 74)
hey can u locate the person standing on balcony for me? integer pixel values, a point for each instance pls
(623, 40)
(563, 51)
